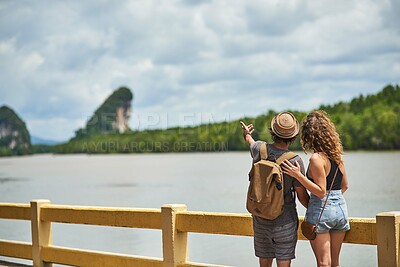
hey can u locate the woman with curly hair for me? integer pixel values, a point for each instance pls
(319, 136)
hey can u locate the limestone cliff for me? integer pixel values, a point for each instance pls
(14, 136)
(112, 116)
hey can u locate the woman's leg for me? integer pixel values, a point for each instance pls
(336, 245)
(321, 246)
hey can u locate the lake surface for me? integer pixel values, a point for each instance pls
(202, 181)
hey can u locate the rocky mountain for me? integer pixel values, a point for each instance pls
(14, 136)
(112, 116)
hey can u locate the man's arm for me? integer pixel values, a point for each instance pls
(247, 131)
(301, 191)
(302, 195)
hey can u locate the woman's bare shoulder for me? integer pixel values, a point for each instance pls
(316, 157)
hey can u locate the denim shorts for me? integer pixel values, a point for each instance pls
(335, 216)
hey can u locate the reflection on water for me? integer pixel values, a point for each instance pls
(202, 181)
(122, 185)
(11, 180)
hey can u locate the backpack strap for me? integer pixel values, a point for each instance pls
(263, 151)
(287, 155)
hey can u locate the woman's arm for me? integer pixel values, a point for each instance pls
(345, 182)
(318, 187)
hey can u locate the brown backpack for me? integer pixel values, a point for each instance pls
(265, 196)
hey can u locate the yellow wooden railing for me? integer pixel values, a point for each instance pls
(175, 222)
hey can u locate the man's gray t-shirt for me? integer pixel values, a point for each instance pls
(290, 213)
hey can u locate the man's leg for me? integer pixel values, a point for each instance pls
(263, 245)
(283, 263)
(264, 262)
(285, 239)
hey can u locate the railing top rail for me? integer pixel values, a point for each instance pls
(104, 216)
(16, 211)
(214, 223)
(98, 208)
(213, 213)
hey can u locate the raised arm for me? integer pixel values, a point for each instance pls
(247, 131)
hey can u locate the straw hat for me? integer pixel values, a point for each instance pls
(285, 125)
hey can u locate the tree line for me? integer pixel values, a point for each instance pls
(367, 122)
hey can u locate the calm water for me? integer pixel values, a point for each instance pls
(202, 181)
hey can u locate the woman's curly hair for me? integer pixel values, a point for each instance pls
(319, 134)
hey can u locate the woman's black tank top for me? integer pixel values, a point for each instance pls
(337, 185)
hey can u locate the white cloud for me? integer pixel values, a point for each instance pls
(32, 62)
(7, 46)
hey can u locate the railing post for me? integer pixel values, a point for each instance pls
(174, 242)
(388, 238)
(41, 233)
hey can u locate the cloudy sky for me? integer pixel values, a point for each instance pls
(191, 61)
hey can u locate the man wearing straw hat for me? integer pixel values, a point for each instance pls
(276, 239)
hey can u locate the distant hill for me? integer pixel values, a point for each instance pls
(111, 117)
(14, 136)
(369, 122)
(41, 141)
